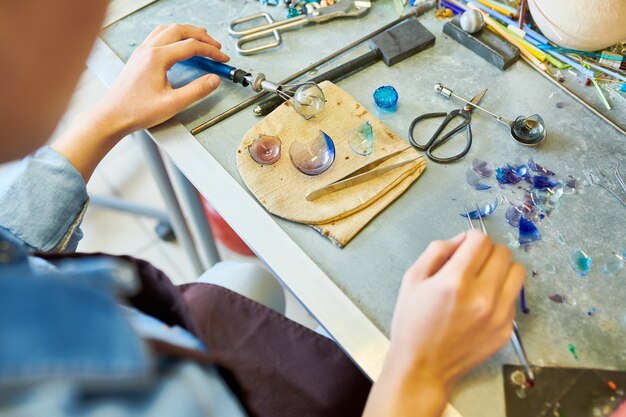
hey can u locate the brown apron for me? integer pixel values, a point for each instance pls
(275, 366)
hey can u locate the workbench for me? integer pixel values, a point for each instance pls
(352, 291)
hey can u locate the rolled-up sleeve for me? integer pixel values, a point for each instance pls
(42, 202)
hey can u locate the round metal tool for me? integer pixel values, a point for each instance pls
(306, 98)
(529, 131)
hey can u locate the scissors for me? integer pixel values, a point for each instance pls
(345, 8)
(436, 141)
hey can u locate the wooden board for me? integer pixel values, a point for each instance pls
(281, 188)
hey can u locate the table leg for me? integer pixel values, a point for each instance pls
(159, 173)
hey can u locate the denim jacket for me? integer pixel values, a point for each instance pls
(66, 347)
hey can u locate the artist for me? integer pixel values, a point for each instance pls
(102, 335)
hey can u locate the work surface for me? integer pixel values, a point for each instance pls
(369, 269)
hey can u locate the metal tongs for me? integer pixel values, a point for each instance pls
(345, 8)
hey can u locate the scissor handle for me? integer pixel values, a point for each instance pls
(272, 28)
(436, 141)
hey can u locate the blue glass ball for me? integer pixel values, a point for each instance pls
(386, 97)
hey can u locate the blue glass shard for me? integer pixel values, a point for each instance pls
(580, 262)
(538, 168)
(510, 174)
(521, 170)
(485, 211)
(542, 182)
(527, 231)
(475, 180)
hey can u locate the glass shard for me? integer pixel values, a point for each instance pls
(557, 298)
(475, 180)
(548, 199)
(265, 149)
(386, 97)
(528, 231)
(511, 174)
(522, 301)
(362, 139)
(514, 213)
(542, 182)
(315, 156)
(538, 168)
(571, 183)
(308, 100)
(529, 129)
(580, 262)
(485, 211)
(613, 265)
(482, 168)
(572, 349)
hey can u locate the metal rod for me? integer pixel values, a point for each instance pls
(576, 97)
(197, 217)
(418, 11)
(181, 230)
(128, 207)
(497, 117)
(480, 219)
(516, 340)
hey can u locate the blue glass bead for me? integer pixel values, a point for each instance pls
(386, 97)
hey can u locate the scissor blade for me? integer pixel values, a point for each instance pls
(355, 180)
(476, 100)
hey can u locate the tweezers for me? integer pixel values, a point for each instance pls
(361, 175)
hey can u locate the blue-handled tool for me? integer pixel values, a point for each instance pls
(228, 72)
(306, 98)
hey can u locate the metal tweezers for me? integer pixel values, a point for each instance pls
(345, 8)
(516, 339)
(361, 175)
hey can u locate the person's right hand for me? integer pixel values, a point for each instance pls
(455, 309)
(142, 96)
(456, 306)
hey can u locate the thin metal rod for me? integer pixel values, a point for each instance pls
(418, 11)
(516, 340)
(497, 117)
(480, 219)
(197, 217)
(469, 219)
(181, 230)
(576, 97)
(128, 207)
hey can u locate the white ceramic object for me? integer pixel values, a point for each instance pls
(588, 25)
(472, 21)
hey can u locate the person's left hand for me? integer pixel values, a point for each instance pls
(142, 96)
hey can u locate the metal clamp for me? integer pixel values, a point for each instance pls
(255, 33)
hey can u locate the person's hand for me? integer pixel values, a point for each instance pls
(142, 97)
(455, 309)
(456, 306)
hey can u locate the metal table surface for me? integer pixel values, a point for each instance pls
(352, 291)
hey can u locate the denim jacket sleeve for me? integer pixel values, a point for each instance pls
(42, 202)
